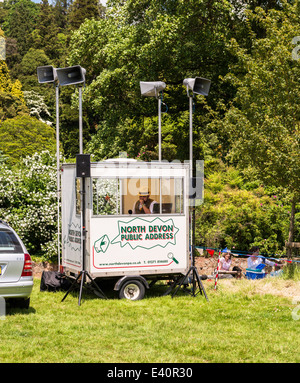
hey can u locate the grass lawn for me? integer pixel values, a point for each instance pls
(240, 323)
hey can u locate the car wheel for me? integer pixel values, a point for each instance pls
(132, 290)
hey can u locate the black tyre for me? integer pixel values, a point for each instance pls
(132, 290)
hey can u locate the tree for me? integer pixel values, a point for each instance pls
(263, 121)
(153, 40)
(239, 214)
(11, 95)
(23, 135)
(31, 60)
(20, 22)
(47, 34)
(81, 10)
(61, 11)
(37, 106)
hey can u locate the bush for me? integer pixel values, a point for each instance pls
(28, 202)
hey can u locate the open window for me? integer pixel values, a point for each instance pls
(119, 196)
(78, 195)
(106, 196)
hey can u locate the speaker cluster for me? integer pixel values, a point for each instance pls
(66, 76)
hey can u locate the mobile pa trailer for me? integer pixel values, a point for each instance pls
(121, 244)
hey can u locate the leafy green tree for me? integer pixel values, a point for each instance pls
(148, 41)
(20, 22)
(31, 60)
(263, 121)
(238, 214)
(23, 135)
(47, 35)
(5, 80)
(11, 96)
(61, 11)
(11, 106)
(3, 13)
(81, 10)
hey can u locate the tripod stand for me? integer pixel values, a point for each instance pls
(201, 86)
(82, 277)
(83, 274)
(195, 277)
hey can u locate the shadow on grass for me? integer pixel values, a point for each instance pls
(159, 289)
(13, 310)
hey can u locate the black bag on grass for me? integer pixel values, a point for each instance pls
(54, 281)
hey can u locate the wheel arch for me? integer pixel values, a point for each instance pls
(126, 278)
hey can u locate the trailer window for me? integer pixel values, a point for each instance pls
(167, 194)
(172, 195)
(106, 196)
(120, 196)
(78, 195)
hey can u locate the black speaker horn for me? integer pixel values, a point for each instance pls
(46, 74)
(198, 85)
(71, 76)
(83, 165)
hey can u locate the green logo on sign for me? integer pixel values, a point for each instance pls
(101, 245)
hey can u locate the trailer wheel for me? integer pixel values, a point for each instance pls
(132, 290)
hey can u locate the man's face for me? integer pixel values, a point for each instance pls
(143, 199)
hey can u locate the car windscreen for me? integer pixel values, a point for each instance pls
(9, 242)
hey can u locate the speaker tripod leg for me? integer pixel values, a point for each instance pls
(196, 278)
(71, 287)
(97, 287)
(200, 284)
(181, 281)
(170, 288)
(82, 282)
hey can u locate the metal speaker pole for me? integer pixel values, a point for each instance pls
(83, 165)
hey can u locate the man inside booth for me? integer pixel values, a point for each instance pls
(145, 204)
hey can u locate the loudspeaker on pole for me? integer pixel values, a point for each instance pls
(71, 76)
(46, 74)
(83, 165)
(198, 85)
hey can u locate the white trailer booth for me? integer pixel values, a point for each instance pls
(134, 250)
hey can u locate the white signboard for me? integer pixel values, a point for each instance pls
(71, 225)
(140, 244)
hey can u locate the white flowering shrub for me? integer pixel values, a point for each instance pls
(37, 106)
(105, 196)
(28, 202)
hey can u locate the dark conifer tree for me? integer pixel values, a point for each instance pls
(81, 10)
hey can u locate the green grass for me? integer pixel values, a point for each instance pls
(236, 325)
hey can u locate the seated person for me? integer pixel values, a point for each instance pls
(225, 261)
(224, 265)
(145, 204)
(254, 260)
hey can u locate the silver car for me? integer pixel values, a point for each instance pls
(16, 279)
